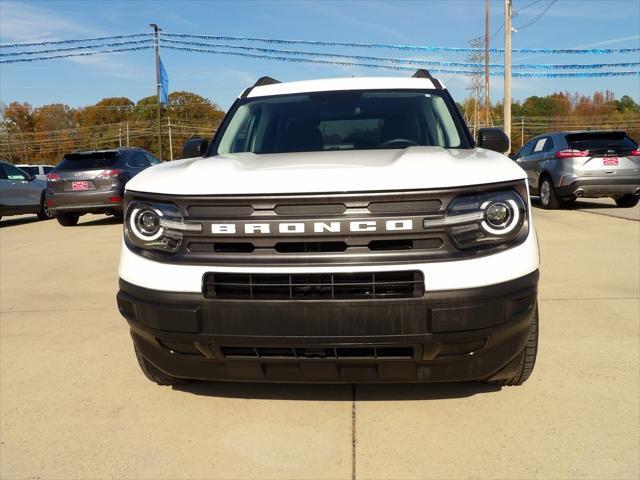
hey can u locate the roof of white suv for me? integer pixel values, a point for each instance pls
(338, 84)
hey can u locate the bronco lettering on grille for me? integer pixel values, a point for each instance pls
(279, 228)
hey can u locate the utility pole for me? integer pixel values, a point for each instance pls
(156, 46)
(487, 97)
(170, 140)
(127, 134)
(120, 135)
(507, 69)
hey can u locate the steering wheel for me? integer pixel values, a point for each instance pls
(409, 142)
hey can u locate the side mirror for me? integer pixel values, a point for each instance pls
(493, 139)
(194, 147)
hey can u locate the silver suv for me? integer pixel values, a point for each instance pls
(21, 193)
(563, 166)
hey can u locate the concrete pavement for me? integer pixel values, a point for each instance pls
(74, 405)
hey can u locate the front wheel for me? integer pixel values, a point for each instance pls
(156, 375)
(528, 360)
(68, 219)
(548, 198)
(627, 201)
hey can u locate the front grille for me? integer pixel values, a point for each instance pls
(386, 352)
(315, 229)
(330, 286)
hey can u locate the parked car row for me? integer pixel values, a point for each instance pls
(561, 167)
(83, 182)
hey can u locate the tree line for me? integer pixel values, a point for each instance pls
(44, 134)
(561, 111)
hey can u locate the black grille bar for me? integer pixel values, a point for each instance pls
(330, 286)
(375, 352)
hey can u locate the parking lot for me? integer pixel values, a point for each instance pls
(74, 404)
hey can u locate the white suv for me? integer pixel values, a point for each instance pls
(342, 230)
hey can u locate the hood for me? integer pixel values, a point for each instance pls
(329, 171)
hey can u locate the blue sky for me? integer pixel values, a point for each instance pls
(85, 80)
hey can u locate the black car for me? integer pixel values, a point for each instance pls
(93, 182)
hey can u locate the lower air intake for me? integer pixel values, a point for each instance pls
(336, 286)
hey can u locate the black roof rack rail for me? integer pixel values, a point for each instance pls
(262, 81)
(265, 81)
(424, 73)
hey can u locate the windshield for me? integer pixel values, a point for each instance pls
(88, 161)
(30, 170)
(340, 121)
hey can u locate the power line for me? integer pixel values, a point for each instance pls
(403, 68)
(553, 2)
(406, 47)
(408, 61)
(80, 40)
(81, 47)
(80, 54)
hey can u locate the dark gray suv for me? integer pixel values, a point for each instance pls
(563, 166)
(93, 182)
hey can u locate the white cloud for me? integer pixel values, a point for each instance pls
(610, 41)
(24, 23)
(27, 23)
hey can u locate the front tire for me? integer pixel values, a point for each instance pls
(156, 375)
(528, 360)
(627, 201)
(548, 198)
(68, 219)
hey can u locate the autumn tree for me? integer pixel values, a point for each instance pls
(17, 117)
(107, 111)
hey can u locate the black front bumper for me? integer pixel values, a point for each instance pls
(457, 335)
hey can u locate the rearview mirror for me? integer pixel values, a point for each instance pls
(195, 147)
(493, 139)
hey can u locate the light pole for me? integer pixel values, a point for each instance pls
(487, 96)
(156, 45)
(507, 70)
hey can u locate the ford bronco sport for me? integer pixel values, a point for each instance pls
(342, 230)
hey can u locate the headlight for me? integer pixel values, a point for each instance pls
(484, 220)
(156, 226)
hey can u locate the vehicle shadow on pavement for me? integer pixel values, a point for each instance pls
(577, 205)
(338, 392)
(101, 221)
(19, 221)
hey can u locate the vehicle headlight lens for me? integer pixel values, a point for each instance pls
(147, 223)
(156, 226)
(497, 214)
(484, 220)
